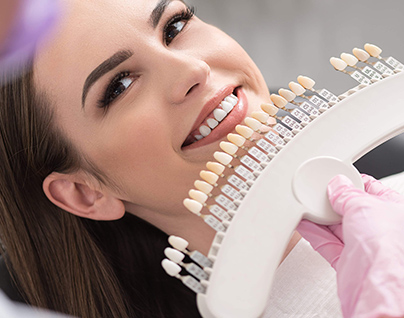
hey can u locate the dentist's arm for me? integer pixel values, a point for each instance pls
(367, 249)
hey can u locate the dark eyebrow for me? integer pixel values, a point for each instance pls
(158, 11)
(106, 66)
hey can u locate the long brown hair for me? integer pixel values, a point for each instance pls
(59, 261)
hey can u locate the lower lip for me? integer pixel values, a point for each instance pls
(225, 127)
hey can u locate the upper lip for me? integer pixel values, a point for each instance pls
(211, 104)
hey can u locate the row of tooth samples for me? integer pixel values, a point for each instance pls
(219, 193)
(199, 266)
(369, 71)
(225, 183)
(248, 151)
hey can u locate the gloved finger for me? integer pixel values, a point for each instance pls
(344, 197)
(322, 240)
(375, 187)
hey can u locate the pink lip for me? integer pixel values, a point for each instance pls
(227, 125)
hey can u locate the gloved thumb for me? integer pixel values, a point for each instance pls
(343, 195)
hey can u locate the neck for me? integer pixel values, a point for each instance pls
(186, 225)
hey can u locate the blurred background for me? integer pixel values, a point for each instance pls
(287, 38)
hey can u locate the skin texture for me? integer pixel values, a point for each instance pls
(137, 142)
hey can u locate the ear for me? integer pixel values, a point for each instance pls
(73, 193)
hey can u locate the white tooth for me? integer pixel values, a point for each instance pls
(231, 99)
(204, 130)
(198, 137)
(219, 114)
(212, 123)
(227, 107)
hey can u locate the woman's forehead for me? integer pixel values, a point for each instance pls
(88, 32)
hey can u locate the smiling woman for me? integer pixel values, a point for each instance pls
(112, 122)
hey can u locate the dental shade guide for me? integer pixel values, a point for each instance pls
(274, 171)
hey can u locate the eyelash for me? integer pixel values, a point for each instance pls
(185, 15)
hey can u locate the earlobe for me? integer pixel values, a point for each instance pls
(72, 194)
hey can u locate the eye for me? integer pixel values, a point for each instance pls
(176, 24)
(117, 87)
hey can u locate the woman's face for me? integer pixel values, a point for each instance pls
(130, 82)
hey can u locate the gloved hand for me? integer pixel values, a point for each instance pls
(366, 250)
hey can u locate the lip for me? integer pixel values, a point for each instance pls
(234, 118)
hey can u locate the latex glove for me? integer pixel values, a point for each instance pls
(367, 249)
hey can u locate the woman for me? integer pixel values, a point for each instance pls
(103, 125)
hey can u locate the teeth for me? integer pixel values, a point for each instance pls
(232, 99)
(219, 114)
(212, 123)
(227, 106)
(204, 130)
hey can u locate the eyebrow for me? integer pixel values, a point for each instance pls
(106, 66)
(158, 11)
(121, 56)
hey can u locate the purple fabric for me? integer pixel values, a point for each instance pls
(34, 19)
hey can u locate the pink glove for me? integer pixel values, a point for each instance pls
(366, 250)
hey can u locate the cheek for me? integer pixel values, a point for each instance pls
(138, 156)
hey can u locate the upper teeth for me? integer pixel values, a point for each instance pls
(225, 107)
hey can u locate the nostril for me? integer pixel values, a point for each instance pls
(189, 91)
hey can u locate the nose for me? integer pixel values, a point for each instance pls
(183, 75)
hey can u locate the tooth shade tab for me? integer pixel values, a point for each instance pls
(178, 242)
(279, 101)
(362, 55)
(170, 267)
(209, 177)
(198, 196)
(349, 59)
(174, 255)
(215, 167)
(253, 123)
(338, 64)
(212, 123)
(373, 50)
(244, 131)
(306, 82)
(297, 88)
(236, 139)
(261, 116)
(203, 186)
(287, 94)
(223, 157)
(193, 206)
(228, 147)
(271, 110)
